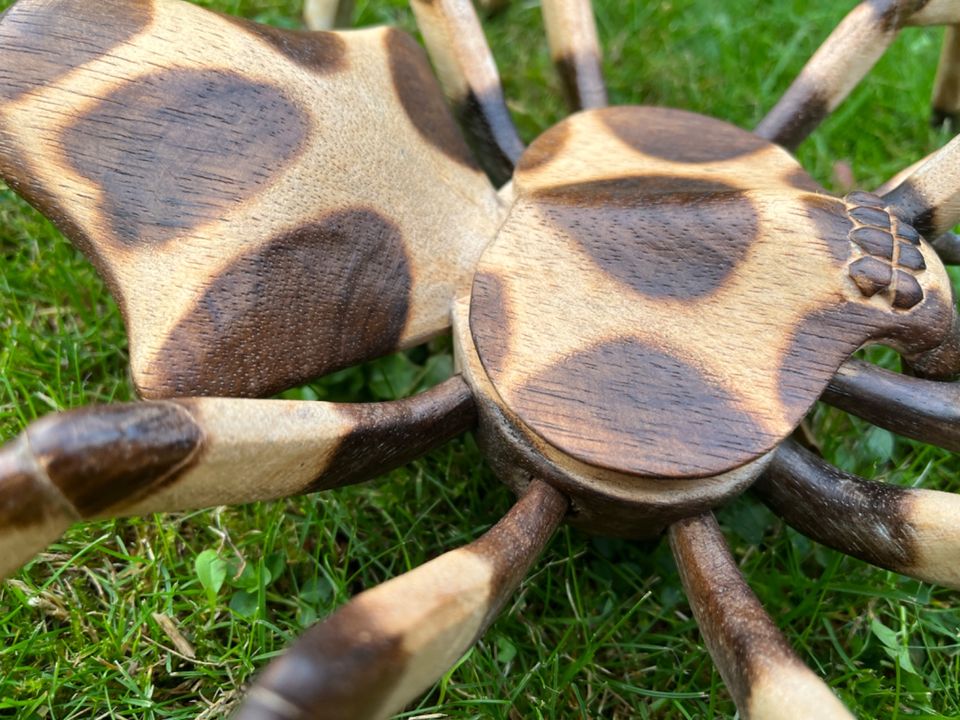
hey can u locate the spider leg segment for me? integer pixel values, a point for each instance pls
(929, 198)
(390, 643)
(469, 77)
(166, 456)
(910, 531)
(254, 197)
(946, 87)
(572, 35)
(327, 14)
(843, 60)
(920, 409)
(765, 676)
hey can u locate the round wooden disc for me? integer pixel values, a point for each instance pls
(670, 294)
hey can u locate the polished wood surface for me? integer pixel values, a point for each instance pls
(254, 197)
(912, 531)
(766, 678)
(389, 644)
(843, 60)
(670, 294)
(575, 48)
(171, 456)
(469, 76)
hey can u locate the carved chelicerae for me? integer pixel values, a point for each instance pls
(642, 314)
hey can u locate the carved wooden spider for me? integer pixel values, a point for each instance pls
(643, 313)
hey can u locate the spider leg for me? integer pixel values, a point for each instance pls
(910, 531)
(929, 197)
(390, 643)
(120, 460)
(946, 244)
(766, 678)
(946, 87)
(843, 60)
(575, 47)
(920, 409)
(327, 14)
(469, 77)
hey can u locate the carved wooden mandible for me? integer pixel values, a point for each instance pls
(645, 303)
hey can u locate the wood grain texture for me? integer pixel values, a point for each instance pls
(946, 86)
(575, 47)
(911, 531)
(762, 672)
(327, 14)
(469, 77)
(390, 643)
(167, 456)
(662, 274)
(929, 198)
(920, 409)
(602, 502)
(844, 59)
(254, 233)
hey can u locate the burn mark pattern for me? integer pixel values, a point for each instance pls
(886, 259)
(42, 44)
(658, 413)
(310, 301)
(684, 243)
(230, 137)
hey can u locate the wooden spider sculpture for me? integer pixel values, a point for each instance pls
(642, 314)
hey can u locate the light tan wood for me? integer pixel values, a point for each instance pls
(469, 76)
(843, 60)
(575, 47)
(135, 459)
(390, 643)
(327, 14)
(912, 531)
(946, 86)
(716, 292)
(929, 198)
(766, 678)
(607, 503)
(301, 243)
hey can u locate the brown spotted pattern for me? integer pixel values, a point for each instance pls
(421, 97)
(653, 402)
(42, 42)
(321, 297)
(106, 457)
(695, 237)
(184, 152)
(230, 137)
(886, 258)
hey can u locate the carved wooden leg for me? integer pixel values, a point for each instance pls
(327, 14)
(133, 459)
(843, 60)
(766, 678)
(920, 409)
(914, 532)
(572, 34)
(469, 77)
(929, 198)
(390, 643)
(946, 87)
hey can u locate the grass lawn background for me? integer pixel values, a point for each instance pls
(601, 628)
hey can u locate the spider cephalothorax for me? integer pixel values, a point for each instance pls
(642, 315)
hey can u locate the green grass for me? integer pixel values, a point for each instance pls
(601, 628)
